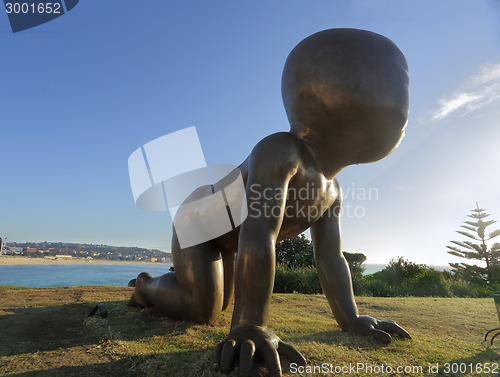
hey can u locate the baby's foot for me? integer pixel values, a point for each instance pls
(140, 283)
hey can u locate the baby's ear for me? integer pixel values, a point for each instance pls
(307, 110)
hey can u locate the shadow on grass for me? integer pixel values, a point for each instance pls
(160, 364)
(368, 306)
(44, 328)
(26, 330)
(198, 363)
(115, 368)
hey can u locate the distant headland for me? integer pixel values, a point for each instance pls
(74, 253)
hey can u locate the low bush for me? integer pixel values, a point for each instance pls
(399, 279)
(296, 279)
(428, 282)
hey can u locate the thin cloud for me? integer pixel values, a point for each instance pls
(478, 90)
(486, 73)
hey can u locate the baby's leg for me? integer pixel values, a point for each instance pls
(194, 292)
(229, 260)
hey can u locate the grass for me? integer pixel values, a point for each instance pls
(46, 332)
(12, 287)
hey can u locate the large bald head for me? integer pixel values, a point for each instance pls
(348, 89)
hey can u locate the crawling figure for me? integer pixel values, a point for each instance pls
(346, 95)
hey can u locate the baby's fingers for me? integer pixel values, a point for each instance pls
(380, 335)
(271, 358)
(247, 352)
(291, 353)
(393, 328)
(218, 352)
(227, 357)
(370, 330)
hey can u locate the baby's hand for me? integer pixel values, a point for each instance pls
(255, 339)
(380, 330)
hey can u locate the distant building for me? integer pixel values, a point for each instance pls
(15, 250)
(31, 250)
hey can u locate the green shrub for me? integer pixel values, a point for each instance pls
(404, 278)
(486, 290)
(460, 288)
(296, 279)
(375, 285)
(428, 282)
(399, 279)
(398, 270)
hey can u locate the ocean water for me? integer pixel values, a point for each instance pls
(61, 275)
(372, 268)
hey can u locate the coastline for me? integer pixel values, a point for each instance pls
(11, 261)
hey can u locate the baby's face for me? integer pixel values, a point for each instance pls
(348, 89)
(374, 133)
(365, 132)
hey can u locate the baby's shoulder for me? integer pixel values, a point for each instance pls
(280, 145)
(278, 154)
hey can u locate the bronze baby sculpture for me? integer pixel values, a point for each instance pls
(346, 95)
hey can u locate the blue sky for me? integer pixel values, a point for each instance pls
(81, 93)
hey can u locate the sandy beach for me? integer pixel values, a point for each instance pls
(7, 260)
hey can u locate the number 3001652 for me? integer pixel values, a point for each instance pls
(24, 8)
(487, 368)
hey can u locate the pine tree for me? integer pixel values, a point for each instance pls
(355, 262)
(477, 250)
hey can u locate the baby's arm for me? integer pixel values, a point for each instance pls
(271, 166)
(335, 279)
